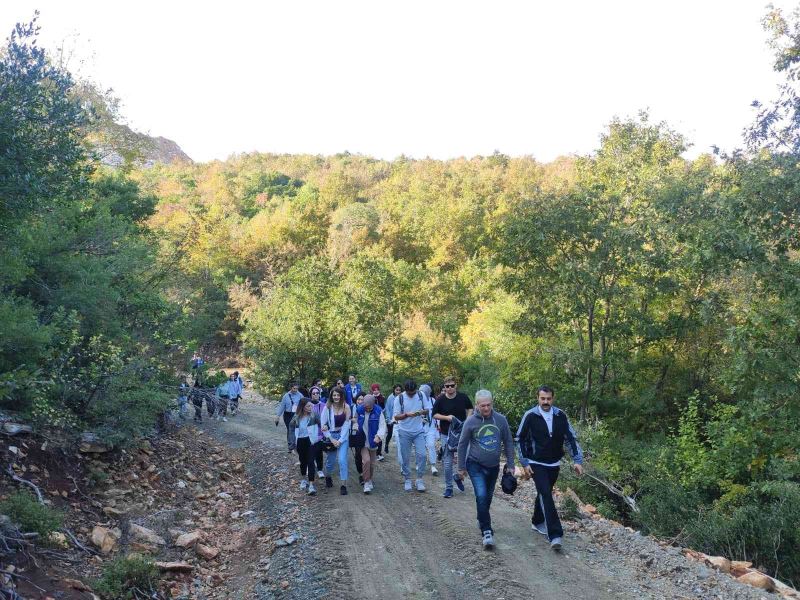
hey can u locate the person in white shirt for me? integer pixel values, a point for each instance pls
(410, 410)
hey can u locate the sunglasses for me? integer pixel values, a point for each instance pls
(449, 385)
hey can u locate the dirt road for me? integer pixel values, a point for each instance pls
(396, 544)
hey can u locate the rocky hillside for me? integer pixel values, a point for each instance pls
(123, 144)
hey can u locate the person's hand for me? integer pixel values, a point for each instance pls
(400, 417)
(529, 470)
(519, 472)
(336, 443)
(276, 421)
(462, 473)
(377, 439)
(578, 469)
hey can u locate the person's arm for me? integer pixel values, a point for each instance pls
(527, 447)
(381, 427)
(574, 447)
(508, 444)
(469, 408)
(437, 411)
(279, 410)
(463, 443)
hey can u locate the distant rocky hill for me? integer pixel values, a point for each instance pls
(120, 144)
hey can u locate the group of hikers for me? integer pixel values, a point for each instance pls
(324, 424)
(225, 395)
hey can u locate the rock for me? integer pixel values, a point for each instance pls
(248, 513)
(207, 552)
(114, 512)
(741, 564)
(143, 534)
(189, 539)
(720, 563)
(181, 567)
(16, 428)
(287, 541)
(284, 585)
(58, 539)
(76, 585)
(703, 573)
(181, 483)
(105, 539)
(13, 449)
(235, 514)
(589, 508)
(758, 580)
(91, 444)
(224, 496)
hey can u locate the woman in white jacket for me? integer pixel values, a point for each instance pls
(431, 431)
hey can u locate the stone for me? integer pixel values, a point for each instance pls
(187, 540)
(287, 541)
(224, 496)
(589, 508)
(117, 513)
(235, 514)
(181, 567)
(181, 483)
(207, 552)
(58, 539)
(105, 538)
(758, 580)
(91, 444)
(76, 585)
(143, 534)
(16, 428)
(720, 563)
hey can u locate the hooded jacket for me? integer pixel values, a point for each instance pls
(538, 446)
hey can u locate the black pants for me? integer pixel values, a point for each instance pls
(307, 453)
(197, 401)
(319, 457)
(545, 512)
(287, 417)
(235, 404)
(385, 444)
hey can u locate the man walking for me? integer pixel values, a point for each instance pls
(479, 455)
(451, 403)
(287, 408)
(542, 433)
(410, 407)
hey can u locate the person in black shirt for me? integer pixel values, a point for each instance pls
(451, 403)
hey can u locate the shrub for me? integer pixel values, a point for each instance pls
(666, 507)
(121, 576)
(23, 508)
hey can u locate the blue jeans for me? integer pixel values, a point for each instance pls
(340, 456)
(483, 480)
(447, 463)
(406, 439)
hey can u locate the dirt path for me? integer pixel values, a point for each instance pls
(395, 544)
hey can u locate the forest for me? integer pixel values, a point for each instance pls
(659, 295)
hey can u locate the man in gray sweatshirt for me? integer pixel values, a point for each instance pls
(479, 455)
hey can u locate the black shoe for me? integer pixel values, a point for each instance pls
(343, 490)
(360, 480)
(439, 455)
(328, 482)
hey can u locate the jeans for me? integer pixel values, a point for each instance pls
(406, 439)
(483, 480)
(287, 416)
(431, 435)
(545, 512)
(447, 463)
(339, 455)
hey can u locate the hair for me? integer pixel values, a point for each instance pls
(369, 398)
(293, 384)
(449, 379)
(482, 395)
(546, 389)
(315, 389)
(360, 394)
(337, 390)
(236, 373)
(301, 405)
(410, 386)
(397, 385)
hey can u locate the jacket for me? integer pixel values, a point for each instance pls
(288, 403)
(313, 427)
(372, 426)
(350, 394)
(481, 438)
(538, 445)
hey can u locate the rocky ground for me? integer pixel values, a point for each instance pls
(218, 506)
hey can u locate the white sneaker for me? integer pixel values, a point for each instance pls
(371, 485)
(366, 487)
(541, 528)
(555, 544)
(421, 485)
(225, 419)
(304, 484)
(407, 485)
(312, 491)
(488, 540)
(380, 458)
(320, 474)
(434, 471)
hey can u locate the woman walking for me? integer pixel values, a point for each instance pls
(371, 431)
(318, 405)
(336, 429)
(389, 413)
(305, 424)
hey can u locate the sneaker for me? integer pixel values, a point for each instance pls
(459, 482)
(312, 491)
(343, 490)
(439, 455)
(328, 482)
(225, 419)
(304, 484)
(434, 471)
(448, 493)
(371, 485)
(380, 458)
(488, 540)
(555, 544)
(320, 475)
(407, 485)
(366, 488)
(541, 528)
(289, 450)
(421, 485)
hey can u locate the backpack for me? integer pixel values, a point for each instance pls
(454, 435)
(421, 402)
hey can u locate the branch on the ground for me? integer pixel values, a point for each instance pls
(18, 479)
(78, 544)
(617, 491)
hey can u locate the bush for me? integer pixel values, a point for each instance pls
(666, 507)
(122, 575)
(24, 509)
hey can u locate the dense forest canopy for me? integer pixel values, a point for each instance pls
(658, 295)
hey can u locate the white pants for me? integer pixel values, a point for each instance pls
(431, 435)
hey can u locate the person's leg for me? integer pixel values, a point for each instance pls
(341, 456)
(491, 483)
(430, 444)
(404, 445)
(330, 460)
(287, 417)
(224, 405)
(319, 457)
(389, 431)
(373, 458)
(357, 457)
(545, 478)
(420, 449)
(366, 463)
(478, 477)
(447, 463)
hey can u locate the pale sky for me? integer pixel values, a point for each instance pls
(421, 78)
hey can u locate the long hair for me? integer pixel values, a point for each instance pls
(331, 404)
(300, 406)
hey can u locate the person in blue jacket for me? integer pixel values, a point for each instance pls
(371, 432)
(351, 390)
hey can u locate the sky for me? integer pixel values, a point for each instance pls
(438, 79)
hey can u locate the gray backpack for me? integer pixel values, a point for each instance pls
(454, 435)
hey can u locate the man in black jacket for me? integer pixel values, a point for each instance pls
(542, 433)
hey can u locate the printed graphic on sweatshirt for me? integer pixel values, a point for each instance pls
(488, 437)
